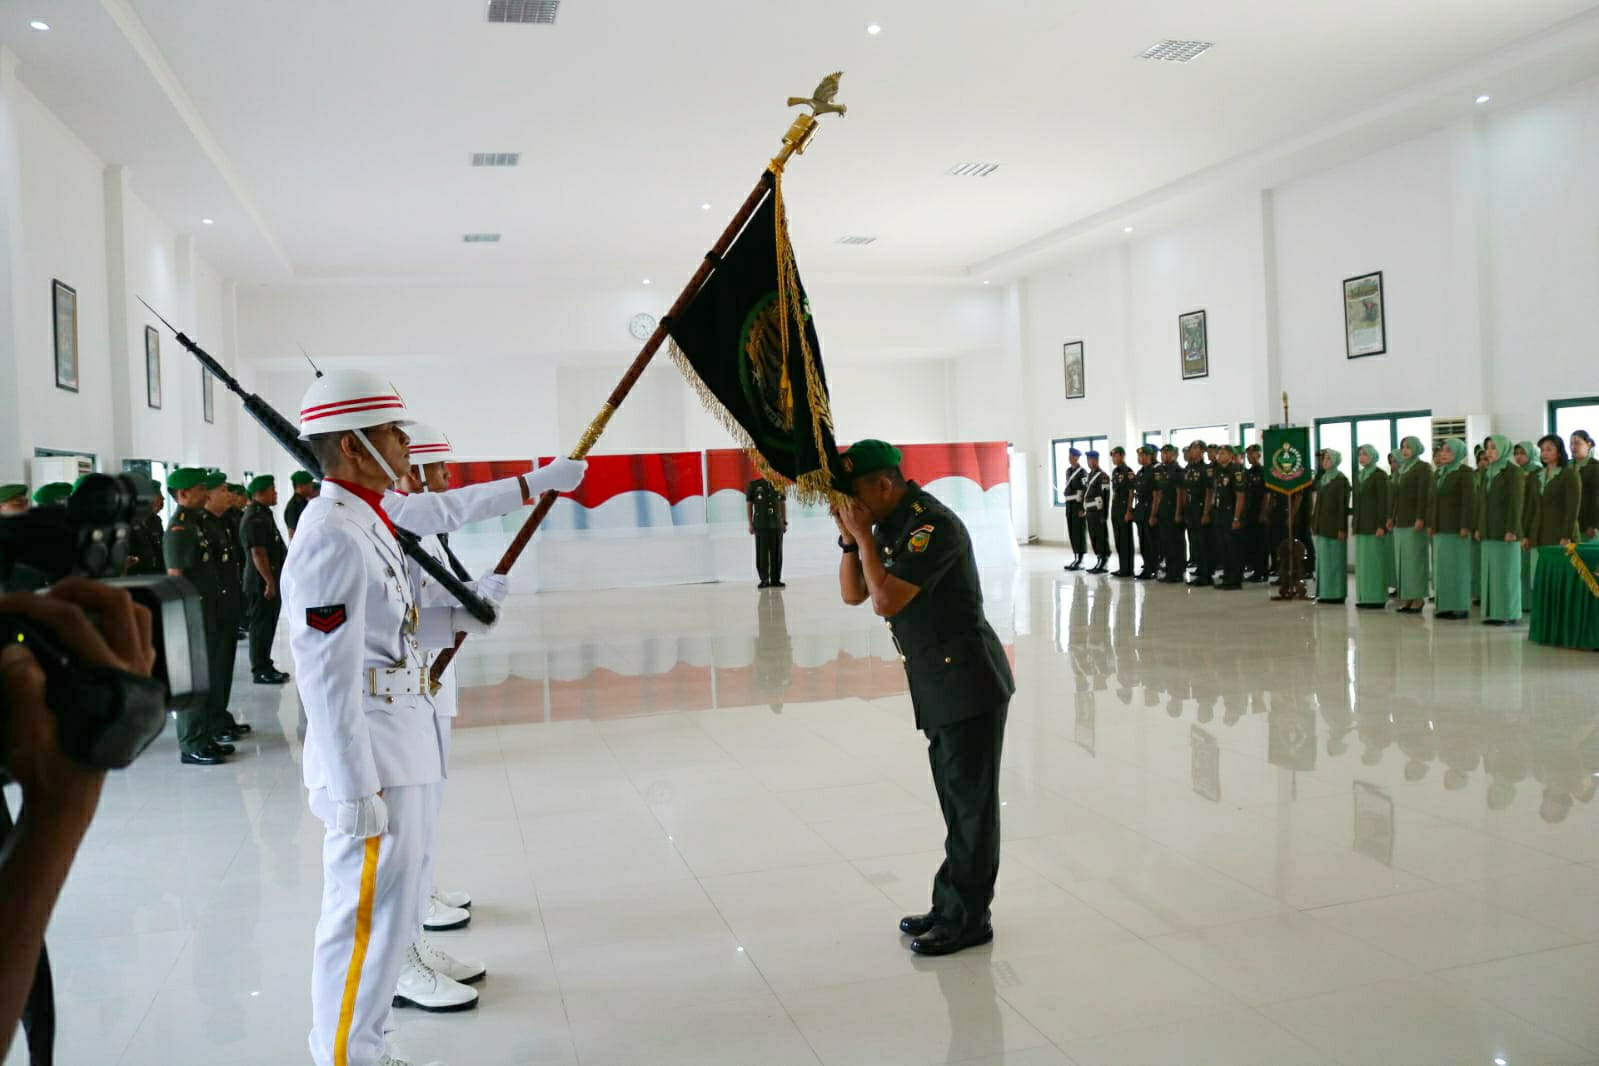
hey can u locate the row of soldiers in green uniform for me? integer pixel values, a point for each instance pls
(1212, 515)
(224, 540)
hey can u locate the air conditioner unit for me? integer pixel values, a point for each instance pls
(1470, 428)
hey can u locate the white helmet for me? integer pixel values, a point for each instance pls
(350, 399)
(428, 444)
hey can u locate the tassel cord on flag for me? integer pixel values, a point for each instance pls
(794, 143)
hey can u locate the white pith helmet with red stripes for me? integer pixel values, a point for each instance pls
(350, 399)
(428, 444)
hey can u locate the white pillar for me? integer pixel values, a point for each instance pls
(123, 394)
(13, 461)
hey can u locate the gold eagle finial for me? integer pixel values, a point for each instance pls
(821, 101)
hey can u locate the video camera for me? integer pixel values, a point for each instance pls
(104, 717)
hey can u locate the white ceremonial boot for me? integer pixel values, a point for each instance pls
(458, 900)
(466, 971)
(390, 1060)
(441, 918)
(427, 989)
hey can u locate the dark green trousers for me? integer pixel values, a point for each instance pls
(769, 555)
(263, 625)
(223, 644)
(965, 762)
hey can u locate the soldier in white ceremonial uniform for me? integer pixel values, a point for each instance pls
(431, 978)
(373, 756)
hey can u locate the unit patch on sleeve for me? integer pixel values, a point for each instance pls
(920, 538)
(325, 619)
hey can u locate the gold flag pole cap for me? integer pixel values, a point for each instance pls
(821, 102)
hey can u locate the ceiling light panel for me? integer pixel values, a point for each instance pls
(855, 240)
(524, 12)
(1176, 51)
(481, 238)
(972, 170)
(496, 159)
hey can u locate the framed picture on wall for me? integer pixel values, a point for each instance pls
(208, 400)
(1076, 385)
(64, 301)
(152, 367)
(1195, 345)
(1365, 324)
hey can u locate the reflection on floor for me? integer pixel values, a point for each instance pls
(1236, 832)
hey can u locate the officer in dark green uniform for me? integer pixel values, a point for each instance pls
(768, 515)
(1168, 485)
(1195, 506)
(1144, 513)
(305, 491)
(230, 607)
(187, 549)
(1228, 501)
(265, 551)
(919, 572)
(13, 499)
(1121, 510)
(232, 514)
(51, 494)
(1254, 517)
(145, 534)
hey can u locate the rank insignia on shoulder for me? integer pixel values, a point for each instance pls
(325, 619)
(917, 508)
(920, 539)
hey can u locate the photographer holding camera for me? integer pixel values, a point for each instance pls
(59, 794)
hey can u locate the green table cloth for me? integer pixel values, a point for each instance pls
(1565, 597)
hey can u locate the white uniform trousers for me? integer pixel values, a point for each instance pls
(368, 924)
(446, 698)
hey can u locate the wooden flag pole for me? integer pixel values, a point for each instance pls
(794, 143)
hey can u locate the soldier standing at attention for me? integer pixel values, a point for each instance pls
(911, 557)
(1096, 503)
(1229, 506)
(230, 605)
(144, 537)
(1254, 517)
(305, 491)
(263, 603)
(1121, 510)
(1195, 511)
(1072, 492)
(1143, 513)
(188, 553)
(13, 499)
(767, 507)
(1167, 518)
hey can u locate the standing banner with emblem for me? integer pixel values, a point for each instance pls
(1288, 459)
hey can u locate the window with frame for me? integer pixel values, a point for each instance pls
(1384, 432)
(1566, 416)
(1182, 438)
(1246, 433)
(1060, 460)
(1154, 437)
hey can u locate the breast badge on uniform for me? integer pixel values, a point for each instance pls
(920, 538)
(325, 619)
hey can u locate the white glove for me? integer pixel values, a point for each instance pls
(461, 621)
(493, 587)
(562, 475)
(363, 818)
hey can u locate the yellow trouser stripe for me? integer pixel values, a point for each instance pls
(363, 934)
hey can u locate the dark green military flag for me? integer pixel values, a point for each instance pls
(748, 344)
(1288, 466)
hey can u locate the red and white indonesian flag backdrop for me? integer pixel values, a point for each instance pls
(674, 518)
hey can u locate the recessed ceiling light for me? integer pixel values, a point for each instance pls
(646, 281)
(705, 207)
(1484, 99)
(1127, 229)
(874, 29)
(40, 25)
(987, 282)
(208, 222)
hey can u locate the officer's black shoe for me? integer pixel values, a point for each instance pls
(1146, 576)
(236, 731)
(918, 924)
(777, 585)
(1370, 606)
(1202, 583)
(1230, 587)
(207, 756)
(764, 585)
(269, 677)
(1332, 602)
(943, 940)
(1075, 564)
(219, 743)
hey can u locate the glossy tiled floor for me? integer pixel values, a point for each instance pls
(1236, 832)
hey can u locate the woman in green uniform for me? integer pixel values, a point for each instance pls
(1499, 531)
(1525, 456)
(1552, 519)
(1329, 521)
(1412, 500)
(1371, 531)
(1454, 516)
(1390, 560)
(1587, 473)
(1479, 467)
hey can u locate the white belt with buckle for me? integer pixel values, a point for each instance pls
(391, 681)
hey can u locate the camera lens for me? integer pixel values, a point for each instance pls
(103, 500)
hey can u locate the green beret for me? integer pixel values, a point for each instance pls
(1118, 450)
(236, 488)
(261, 482)
(1148, 449)
(54, 492)
(215, 479)
(11, 492)
(300, 477)
(866, 457)
(185, 477)
(1229, 447)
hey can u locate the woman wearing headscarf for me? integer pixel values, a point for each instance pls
(1587, 473)
(1479, 466)
(1390, 560)
(1525, 458)
(1552, 519)
(1499, 532)
(1412, 501)
(1454, 520)
(1371, 531)
(1330, 524)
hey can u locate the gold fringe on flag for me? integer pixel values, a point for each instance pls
(1582, 569)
